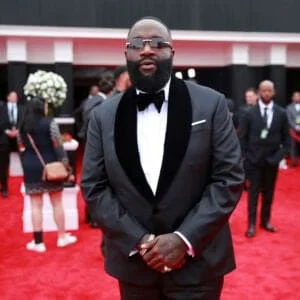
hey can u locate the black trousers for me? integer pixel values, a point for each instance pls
(294, 151)
(4, 165)
(166, 289)
(262, 180)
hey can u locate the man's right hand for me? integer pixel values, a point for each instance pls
(149, 242)
(11, 133)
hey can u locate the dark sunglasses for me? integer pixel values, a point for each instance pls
(155, 43)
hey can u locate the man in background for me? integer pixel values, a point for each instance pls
(106, 83)
(251, 100)
(293, 115)
(122, 80)
(94, 99)
(264, 140)
(10, 117)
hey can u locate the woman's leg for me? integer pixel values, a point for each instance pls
(37, 244)
(58, 212)
(37, 216)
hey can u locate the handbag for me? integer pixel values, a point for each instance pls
(54, 171)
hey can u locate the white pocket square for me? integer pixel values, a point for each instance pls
(198, 122)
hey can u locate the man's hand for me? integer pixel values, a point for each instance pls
(11, 133)
(165, 250)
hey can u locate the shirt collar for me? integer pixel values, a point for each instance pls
(262, 105)
(166, 90)
(11, 104)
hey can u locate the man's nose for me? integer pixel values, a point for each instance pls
(147, 50)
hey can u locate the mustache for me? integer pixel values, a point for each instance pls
(147, 59)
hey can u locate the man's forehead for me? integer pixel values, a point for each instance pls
(149, 28)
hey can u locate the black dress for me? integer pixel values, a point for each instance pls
(47, 138)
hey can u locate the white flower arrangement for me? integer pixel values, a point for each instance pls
(48, 85)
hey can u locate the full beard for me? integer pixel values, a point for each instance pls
(153, 82)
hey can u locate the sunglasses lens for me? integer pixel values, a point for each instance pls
(155, 43)
(137, 44)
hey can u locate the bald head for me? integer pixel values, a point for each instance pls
(150, 25)
(266, 91)
(267, 83)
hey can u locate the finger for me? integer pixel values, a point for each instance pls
(159, 267)
(156, 260)
(149, 245)
(150, 254)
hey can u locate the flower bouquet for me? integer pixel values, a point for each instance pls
(47, 85)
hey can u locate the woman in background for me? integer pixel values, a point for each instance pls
(46, 136)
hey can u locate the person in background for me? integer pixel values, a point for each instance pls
(94, 99)
(46, 136)
(162, 173)
(106, 83)
(122, 80)
(293, 115)
(231, 108)
(10, 118)
(264, 140)
(251, 100)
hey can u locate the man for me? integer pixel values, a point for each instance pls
(251, 100)
(162, 173)
(122, 80)
(10, 117)
(106, 83)
(94, 99)
(293, 115)
(264, 139)
(86, 107)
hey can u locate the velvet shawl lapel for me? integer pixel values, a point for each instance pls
(176, 141)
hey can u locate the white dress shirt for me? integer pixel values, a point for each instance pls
(297, 107)
(12, 118)
(269, 111)
(151, 133)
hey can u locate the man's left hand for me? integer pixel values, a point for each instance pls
(165, 250)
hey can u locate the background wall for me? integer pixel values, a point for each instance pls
(228, 15)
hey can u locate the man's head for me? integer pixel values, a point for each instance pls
(149, 54)
(106, 82)
(266, 91)
(251, 96)
(122, 80)
(94, 90)
(12, 97)
(296, 97)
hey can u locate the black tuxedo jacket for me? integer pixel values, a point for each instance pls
(5, 124)
(274, 147)
(199, 186)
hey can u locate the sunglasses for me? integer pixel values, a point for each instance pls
(154, 43)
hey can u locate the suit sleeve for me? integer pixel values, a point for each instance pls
(221, 195)
(115, 221)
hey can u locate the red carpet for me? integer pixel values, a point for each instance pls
(268, 265)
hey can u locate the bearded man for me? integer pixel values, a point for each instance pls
(162, 173)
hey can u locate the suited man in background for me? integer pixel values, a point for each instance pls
(162, 173)
(293, 115)
(10, 117)
(264, 139)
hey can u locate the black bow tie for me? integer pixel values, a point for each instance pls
(144, 100)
